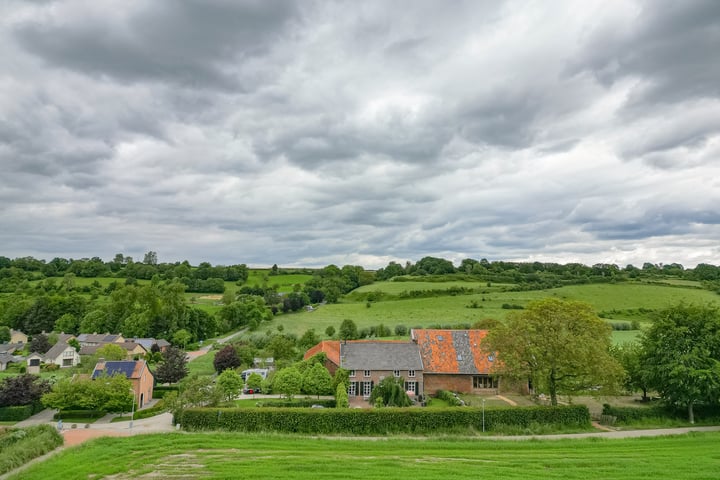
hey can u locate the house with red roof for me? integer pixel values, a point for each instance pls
(137, 372)
(432, 360)
(454, 360)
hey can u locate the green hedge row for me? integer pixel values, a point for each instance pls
(160, 391)
(157, 409)
(303, 403)
(89, 414)
(18, 414)
(378, 421)
(633, 414)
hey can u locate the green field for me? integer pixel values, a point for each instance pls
(224, 456)
(619, 302)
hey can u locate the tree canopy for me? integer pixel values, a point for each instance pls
(561, 346)
(681, 355)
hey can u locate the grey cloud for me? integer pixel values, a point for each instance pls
(672, 46)
(185, 42)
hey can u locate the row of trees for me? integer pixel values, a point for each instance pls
(563, 347)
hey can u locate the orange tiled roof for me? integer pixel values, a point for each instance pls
(331, 348)
(453, 351)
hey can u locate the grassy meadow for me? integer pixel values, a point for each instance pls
(222, 456)
(616, 302)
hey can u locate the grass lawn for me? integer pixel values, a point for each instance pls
(203, 365)
(222, 456)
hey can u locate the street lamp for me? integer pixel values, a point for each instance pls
(132, 412)
(483, 407)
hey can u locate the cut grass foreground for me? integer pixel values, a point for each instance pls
(221, 456)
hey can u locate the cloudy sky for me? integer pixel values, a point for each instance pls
(308, 133)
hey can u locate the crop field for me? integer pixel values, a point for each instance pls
(222, 456)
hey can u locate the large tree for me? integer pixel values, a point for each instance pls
(227, 358)
(173, 366)
(288, 382)
(317, 381)
(681, 355)
(562, 346)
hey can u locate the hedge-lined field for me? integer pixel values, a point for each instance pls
(380, 421)
(216, 456)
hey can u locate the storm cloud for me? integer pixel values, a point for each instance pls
(309, 133)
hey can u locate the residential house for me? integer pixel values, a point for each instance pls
(65, 337)
(5, 359)
(10, 348)
(331, 349)
(454, 360)
(94, 339)
(131, 348)
(62, 355)
(136, 371)
(148, 343)
(33, 362)
(369, 362)
(17, 336)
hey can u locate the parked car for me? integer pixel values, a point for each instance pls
(250, 391)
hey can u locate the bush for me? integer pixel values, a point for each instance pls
(638, 414)
(160, 391)
(449, 397)
(296, 403)
(19, 446)
(15, 414)
(380, 421)
(150, 412)
(89, 414)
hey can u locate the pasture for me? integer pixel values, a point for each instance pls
(221, 456)
(616, 302)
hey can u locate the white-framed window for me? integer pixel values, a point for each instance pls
(411, 373)
(411, 387)
(352, 373)
(367, 389)
(367, 373)
(484, 381)
(351, 389)
(396, 373)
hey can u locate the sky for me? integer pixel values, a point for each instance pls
(309, 133)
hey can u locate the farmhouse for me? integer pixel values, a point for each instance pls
(370, 362)
(137, 372)
(454, 360)
(431, 360)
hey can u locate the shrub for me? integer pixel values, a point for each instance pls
(89, 414)
(19, 446)
(160, 391)
(380, 421)
(15, 414)
(449, 397)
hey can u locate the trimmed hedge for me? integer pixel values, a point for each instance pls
(19, 413)
(15, 414)
(634, 414)
(89, 414)
(150, 412)
(378, 421)
(160, 391)
(302, 403)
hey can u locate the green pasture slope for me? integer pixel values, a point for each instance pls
(222, 456)
(617, 302)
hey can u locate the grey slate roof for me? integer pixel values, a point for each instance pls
(56, 350)
(10, 348)
(5, 358)
(380, 356)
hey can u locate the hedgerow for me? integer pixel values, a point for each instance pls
(378, 421)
